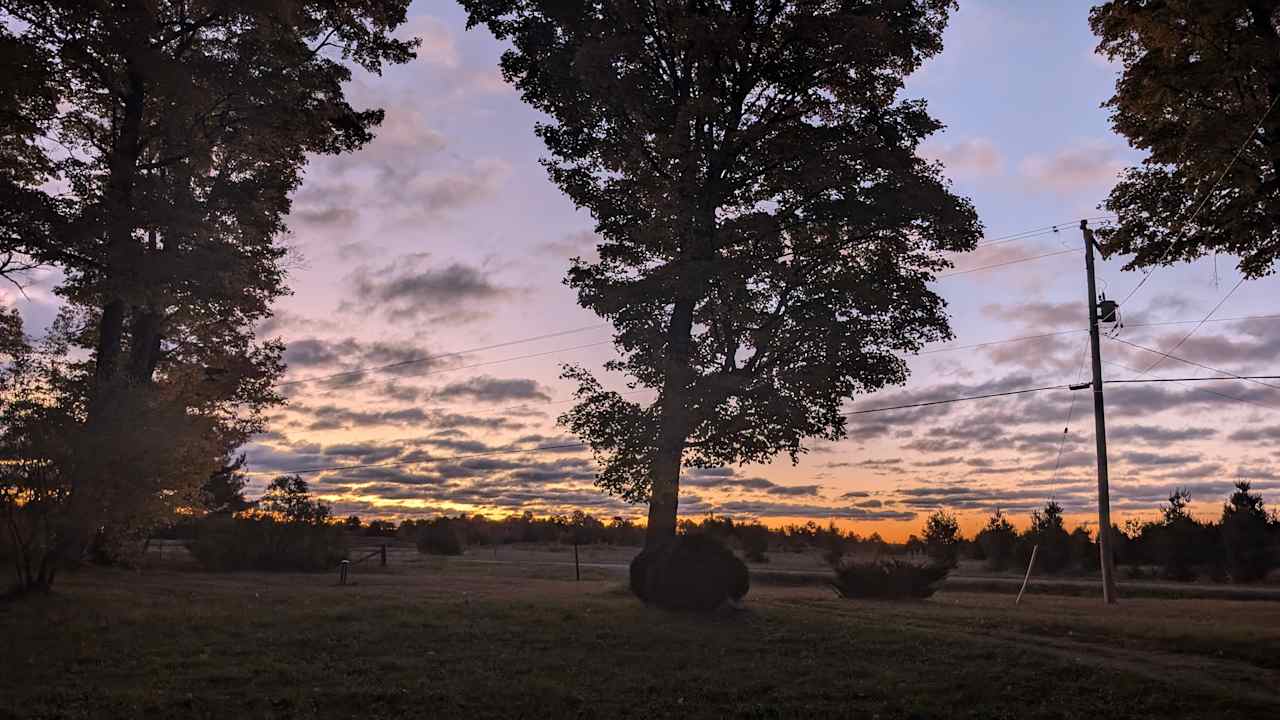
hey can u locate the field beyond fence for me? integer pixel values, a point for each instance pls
(465, 637)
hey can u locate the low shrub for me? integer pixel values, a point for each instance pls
(691, 572)
(264, 543)
(439, 537)
(891, 579)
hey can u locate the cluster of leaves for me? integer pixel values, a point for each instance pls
(1198, 93)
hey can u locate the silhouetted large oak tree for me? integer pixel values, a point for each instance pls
(767, 230)
(1197, 78)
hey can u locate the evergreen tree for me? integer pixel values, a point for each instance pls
(998, 540)
(1245, 534)
(942, 538)
(1179, 541)
(1048, 530)
(223, 492)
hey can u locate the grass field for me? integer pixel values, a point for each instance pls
(450, 638)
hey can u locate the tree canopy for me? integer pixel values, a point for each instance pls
(767, 230)
(159, 183)
(1198, 89)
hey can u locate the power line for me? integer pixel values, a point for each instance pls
(522, 406)
(510, 451)
(1199, 324)
(989, 343)
(931, 403)
(1202, 321)
(431, 358)
(1205, 201)
(425, 461)
(1198, 389)
(1062, 444)
(1001, 342)
(1035, 232)
(1192, 362)
(1230, 378)
(1003, 264)
(476, 365)
(1059, 333)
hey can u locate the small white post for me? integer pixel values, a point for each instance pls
(1027, 577)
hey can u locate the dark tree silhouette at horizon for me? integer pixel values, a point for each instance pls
(767, 230)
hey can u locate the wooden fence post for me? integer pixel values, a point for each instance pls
(384, 554)
(577, 571)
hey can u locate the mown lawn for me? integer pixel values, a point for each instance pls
(447, 640)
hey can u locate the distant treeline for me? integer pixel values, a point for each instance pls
(1242, 545)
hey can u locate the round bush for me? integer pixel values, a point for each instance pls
(690, 572)
(892, 580)
(640, 574)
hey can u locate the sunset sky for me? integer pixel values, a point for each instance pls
(444, 235)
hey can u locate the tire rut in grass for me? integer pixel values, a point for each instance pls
(1214, 675)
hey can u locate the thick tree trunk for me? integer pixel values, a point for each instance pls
(144, 349)
(664, 498)
(120, 240)
(77, 526)
(110, 337)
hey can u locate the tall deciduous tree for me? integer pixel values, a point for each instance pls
(767, 230)
(1197, 78)
(181, 130)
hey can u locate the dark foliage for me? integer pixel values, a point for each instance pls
(1084, 550)
(267, 543)
(691, 572)
(1247, 552)
(1197, 94)
(288, 499)
(768, 229)
(440, 537)
(755, 542)
(1049, 533)
(223, 492)
(942, 538)
(888, 580)
(997, 540)
(1180, 544)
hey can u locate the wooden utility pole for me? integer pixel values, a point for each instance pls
(1100, 427)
